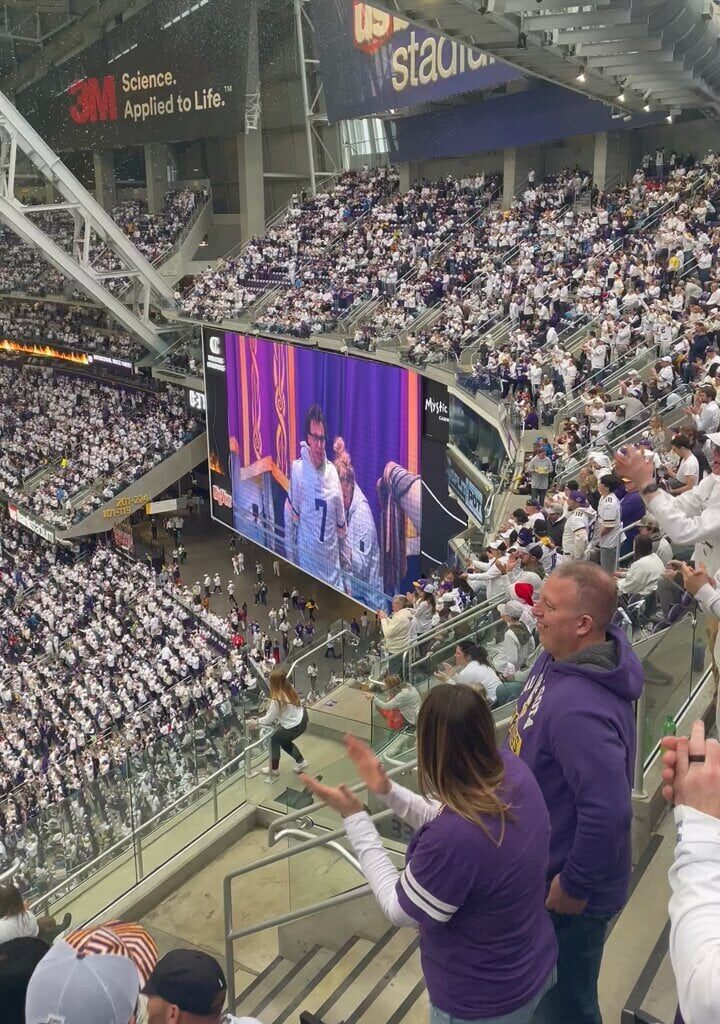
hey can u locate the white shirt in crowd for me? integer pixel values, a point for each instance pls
(283, 714)
(475, 674)
(609, 516)
(643, 576)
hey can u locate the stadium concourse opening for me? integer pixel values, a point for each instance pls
(359, 543)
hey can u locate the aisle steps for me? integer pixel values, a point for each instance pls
(362, 983)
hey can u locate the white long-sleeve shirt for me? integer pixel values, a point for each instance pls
(707, 420)
(379, 870)
(708, 597)
(643, 575)
(496, 582)
(695, 915)
(285, 715)
(692, 518)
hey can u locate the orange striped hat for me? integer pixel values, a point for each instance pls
(121, 938)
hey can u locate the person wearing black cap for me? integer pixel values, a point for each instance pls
(188, 986)
(18, 960)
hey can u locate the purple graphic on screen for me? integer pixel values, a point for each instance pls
(325, 463)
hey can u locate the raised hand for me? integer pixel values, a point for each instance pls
(633, 465)
(693, 579)
(338, 797)
(369, 767)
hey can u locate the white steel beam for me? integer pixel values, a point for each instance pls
(630, 60)
(54, 170)
(583, 19)
(612, 46)
(13, 214)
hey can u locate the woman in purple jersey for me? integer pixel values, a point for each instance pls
(474, 879)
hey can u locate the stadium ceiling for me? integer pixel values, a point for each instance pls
(26, 26)
(632, 54)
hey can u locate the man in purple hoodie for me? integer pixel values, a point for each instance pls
(575, 728)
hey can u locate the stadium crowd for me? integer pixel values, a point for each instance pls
(288, 252)
(154, 235)
(633, 272)
(408, 252)
(85, 436)
(107, 669)
(81, 328)
(106, 673)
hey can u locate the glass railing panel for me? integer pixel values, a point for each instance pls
(667, 661)
(702, 651)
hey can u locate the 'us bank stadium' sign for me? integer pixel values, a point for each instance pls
(372, 62)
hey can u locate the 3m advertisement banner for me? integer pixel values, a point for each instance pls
(176, 71)
(372, 62)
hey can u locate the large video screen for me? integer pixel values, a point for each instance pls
(316, 456)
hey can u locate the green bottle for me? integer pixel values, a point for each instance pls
(669, 727)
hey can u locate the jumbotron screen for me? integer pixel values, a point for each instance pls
(316, 457)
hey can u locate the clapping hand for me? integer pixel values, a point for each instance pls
(338, 797)
(633, 465)
(369, 767)
(693, 579)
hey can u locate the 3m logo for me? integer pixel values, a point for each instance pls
(95, 100)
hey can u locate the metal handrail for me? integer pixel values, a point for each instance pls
(10, 872)
(316, 648)
(319, 841)
(276, 922)
(633, 426)
(297, 833)
(457, 620)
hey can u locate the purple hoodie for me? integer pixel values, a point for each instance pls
(575, 729)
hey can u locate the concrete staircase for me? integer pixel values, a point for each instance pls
(363, 982)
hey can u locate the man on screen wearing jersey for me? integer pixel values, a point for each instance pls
(314, 514)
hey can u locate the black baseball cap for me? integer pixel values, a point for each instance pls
(189, 979)
(18, 959)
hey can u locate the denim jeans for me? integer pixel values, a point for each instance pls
(523, 1015)
(574, 1000)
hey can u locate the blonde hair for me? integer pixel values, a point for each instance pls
(281, 689)
(458, 758)
(343, 462)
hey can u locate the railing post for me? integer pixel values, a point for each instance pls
(639, 769)
(229, 959)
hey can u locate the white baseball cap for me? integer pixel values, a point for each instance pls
(79, 988)
(513, 609)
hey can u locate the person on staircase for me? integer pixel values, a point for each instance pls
(290, 720)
